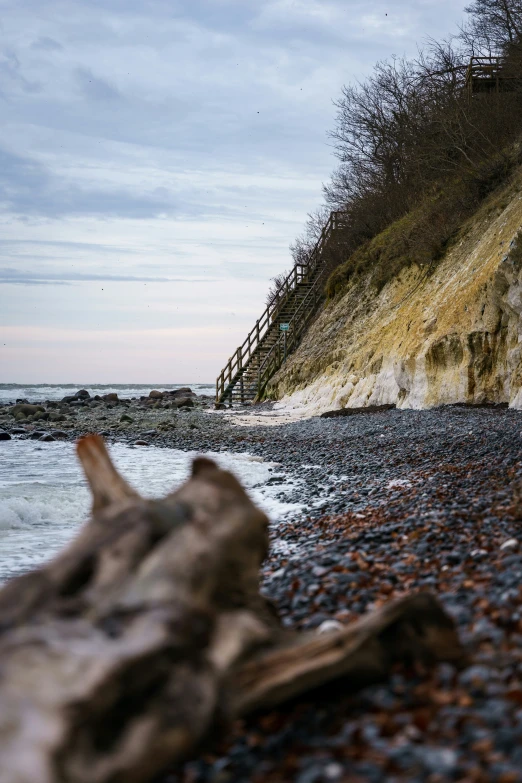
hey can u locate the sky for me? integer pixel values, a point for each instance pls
(157, 159)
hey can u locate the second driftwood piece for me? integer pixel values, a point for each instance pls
(122, 654)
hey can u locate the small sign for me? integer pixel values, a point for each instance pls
(284, 327)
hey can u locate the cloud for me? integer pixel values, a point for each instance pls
(96, 88)
(22, 281)
(30, 188)
(12, 76)
(170, 141)
(46, 44)
(10, 275)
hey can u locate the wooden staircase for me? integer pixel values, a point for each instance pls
(245, 377)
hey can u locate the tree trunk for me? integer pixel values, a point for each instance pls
(117, 658)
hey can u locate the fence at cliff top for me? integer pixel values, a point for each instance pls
(248, 371)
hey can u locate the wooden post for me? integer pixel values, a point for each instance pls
(240, 369)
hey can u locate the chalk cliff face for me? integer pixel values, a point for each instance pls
(427, 339)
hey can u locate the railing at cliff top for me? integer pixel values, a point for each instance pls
(239, 361)
(491, 75)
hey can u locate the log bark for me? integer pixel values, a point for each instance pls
(121, 655)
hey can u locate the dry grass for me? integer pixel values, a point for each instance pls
(423, 236)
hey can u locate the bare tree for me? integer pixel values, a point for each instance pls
(492, 26)
(409, 134)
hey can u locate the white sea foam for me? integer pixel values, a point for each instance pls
(9, 392)
(44, 498)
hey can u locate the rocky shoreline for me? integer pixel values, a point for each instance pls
(392, 502)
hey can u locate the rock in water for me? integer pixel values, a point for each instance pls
(4, 435)
(27, 409)
(47, 438)
(83, 394)
(111, 397)
(155, 395)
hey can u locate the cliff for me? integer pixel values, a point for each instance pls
(430, 336)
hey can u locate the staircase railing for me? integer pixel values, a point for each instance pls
(232, 374)
(298, 324)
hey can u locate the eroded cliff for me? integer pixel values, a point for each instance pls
(430, 337)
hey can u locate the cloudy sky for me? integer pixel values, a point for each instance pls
(157, 157)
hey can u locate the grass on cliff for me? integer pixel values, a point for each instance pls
(424, 235)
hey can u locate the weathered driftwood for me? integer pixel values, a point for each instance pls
(121, 655)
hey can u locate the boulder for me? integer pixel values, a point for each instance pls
(27, 409)
(83, 394)
(184, 402)
(155, 395)
(110, 397)
(140, 443)
(37, 434)
(20, 417)
(184, 392)
(47, 438)
(18, 431)
(4, 435)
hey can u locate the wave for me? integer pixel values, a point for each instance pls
(44, 498)
(23, 513)
(36, 392)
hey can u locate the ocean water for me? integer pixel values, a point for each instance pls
(44, 497)
(10, 392)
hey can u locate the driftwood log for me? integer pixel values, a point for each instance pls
(122, 654)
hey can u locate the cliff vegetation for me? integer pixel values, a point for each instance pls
(423, 298)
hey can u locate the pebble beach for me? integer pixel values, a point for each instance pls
(385, 503)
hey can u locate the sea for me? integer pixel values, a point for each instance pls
(44, 497)
(36, 392)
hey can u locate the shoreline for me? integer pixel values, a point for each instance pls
(394, 502)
